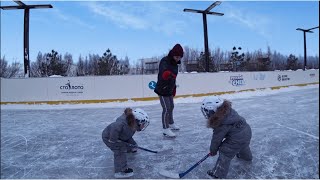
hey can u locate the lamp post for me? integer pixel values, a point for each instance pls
(305, 43)
(204, 18)
(26, 8)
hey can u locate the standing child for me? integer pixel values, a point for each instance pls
(118, 137)
(231, 134)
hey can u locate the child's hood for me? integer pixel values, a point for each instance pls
(122, 119)
(224, 115)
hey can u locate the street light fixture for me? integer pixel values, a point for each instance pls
(26, 8)
(204, 17)
(305, 43)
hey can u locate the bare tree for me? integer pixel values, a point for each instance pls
(68, 64)
(124, 66)
(40, 67)
(3, 66)
(9, 71)
(80, 67)
(93, 64)
(217, 56)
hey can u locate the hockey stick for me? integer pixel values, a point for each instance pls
(145, 149)
(180, 175)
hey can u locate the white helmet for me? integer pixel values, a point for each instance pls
(210, 105)
(142, 118)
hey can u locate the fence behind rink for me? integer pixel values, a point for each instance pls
(94, 89)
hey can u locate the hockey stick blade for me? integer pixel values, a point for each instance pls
(180, 175)
(165, 151)
(169, 174)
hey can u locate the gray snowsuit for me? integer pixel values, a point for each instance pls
(228, 124)
(114, 135)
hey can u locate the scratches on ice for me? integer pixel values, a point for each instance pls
(315, 137)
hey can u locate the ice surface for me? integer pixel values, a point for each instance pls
(64, 141)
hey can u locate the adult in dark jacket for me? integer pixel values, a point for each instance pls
(231, 134)
(166, 87)
(118, 136)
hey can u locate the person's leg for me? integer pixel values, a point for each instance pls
(166, 115)
(120, 161)
(245, 153)
(170, 109)
(171, 121)
(226, 154)
(221, 168)
(166, 111)
(120, 164)
(119, 155)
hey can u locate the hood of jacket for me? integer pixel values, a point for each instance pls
(123, 119)
(224, 115)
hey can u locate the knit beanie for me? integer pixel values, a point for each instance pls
(176, 51)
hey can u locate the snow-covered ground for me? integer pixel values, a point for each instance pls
(64, 141)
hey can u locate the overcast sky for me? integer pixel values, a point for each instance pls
(142, 29)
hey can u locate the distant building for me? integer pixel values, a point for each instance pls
(192, 66)
(150, 65)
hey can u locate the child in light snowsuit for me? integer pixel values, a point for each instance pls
(118, 137)
(231, 134)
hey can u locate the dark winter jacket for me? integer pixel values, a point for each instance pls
(228, 124)
(119, 131)
(168, 71)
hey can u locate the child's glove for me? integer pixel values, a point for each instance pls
(213, 153)
(132, 150)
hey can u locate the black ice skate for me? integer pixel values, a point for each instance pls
(124, 174)
(211, 174)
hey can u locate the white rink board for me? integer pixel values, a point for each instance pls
(118, 87)
(137, 86)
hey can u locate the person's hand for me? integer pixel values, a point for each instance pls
(166, 75)
(212, 153)
(134, 150)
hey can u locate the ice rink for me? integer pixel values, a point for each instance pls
(64, 142)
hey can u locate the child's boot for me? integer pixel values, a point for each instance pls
(211, 174)
(124, 174)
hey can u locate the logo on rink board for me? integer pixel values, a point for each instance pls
(312, 75)
(71, 89)
(283, 77)
(152, 85)
(237, 80)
